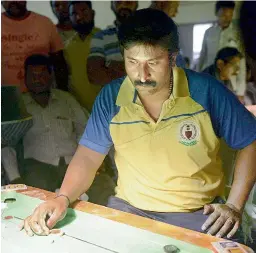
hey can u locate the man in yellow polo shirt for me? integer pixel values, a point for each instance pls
(77, 50)
(166, 124)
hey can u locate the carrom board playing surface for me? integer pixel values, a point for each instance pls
(83, 232)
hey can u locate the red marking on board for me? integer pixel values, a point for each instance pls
(8, 217)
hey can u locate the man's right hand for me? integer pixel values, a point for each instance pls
(46, 216)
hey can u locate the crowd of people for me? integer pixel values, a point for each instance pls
(130, 86)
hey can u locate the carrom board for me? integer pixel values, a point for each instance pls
(83, 233)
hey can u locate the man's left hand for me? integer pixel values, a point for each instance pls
(224, 220)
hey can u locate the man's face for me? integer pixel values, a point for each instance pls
(148, 67)
(124, 9)
(38, 79)
(169, 7)
(15, 9)
(229, 69)
(82, 18)
(225, 16)
(60, 9)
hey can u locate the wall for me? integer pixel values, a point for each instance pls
(189, 11)
(196, 12)
(104, 15)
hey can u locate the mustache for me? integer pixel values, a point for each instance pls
(147, 83)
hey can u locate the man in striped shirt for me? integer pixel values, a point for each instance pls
(105, 61)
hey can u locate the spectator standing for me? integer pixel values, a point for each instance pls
(105, 61)
(223, 34)
(77, 51)
(64, 25)
(24, 33)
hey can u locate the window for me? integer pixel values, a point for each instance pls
(198, 36)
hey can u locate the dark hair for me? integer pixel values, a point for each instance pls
(112, 5)
(224, 4)
(248, 27)
(36, 60)
(187, 60)
(149, 27)
(227, 53)
(71, 3)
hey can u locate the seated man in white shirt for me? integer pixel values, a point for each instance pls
(226, 67)
(58, 123)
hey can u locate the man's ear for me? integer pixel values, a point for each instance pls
(173, 57)
(220, 64)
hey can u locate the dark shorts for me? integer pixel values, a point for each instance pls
(192, 221)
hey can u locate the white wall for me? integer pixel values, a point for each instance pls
(189, 11)
(104, 15)
(196, 12)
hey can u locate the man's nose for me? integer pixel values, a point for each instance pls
(144, 73)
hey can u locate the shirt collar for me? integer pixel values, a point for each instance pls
(230, 27)
(128, 94)
(28, 99)
(76, 37)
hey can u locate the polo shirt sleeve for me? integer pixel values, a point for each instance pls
(97, 135)
(231, 120)
(97, 45)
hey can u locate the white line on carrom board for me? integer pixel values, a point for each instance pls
(91, 243)
(80, 240)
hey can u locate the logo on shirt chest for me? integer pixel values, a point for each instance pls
(189, 133)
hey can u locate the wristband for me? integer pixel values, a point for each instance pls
(62, 195)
